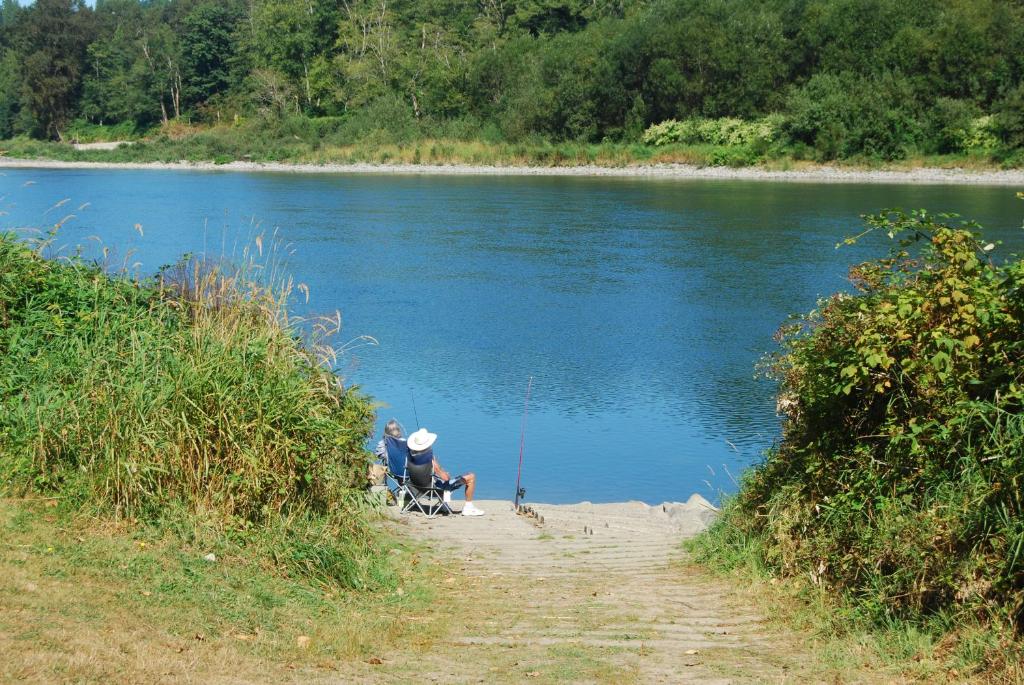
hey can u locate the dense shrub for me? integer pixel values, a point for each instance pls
(388, 119)
(724, 131)
(949, 123)
(83, 132)
(981, 135)
(898, 480)
(955, 126)
(846, 115)
(1009, 119)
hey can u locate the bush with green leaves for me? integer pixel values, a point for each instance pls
(899, 477)
(981, 134)
(725, 131)
(955, 126)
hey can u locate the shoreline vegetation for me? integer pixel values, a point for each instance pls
(724, 83)
(878, 91)
(401, 161)
(893, 500)
(188, 410)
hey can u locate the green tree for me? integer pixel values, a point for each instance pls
(1010, 118)
(291, 47)
(853, 35)
(549, 17)
(162, 71)
(975, 57)
(495, 15)
(368, 45)
(898, 75)
(10, 12)
(949, 122)
(115, 82)
(56, 33)
(208, 47)
(10, 90)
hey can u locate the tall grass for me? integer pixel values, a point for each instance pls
(191, 393)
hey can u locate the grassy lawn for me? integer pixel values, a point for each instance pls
(84, 600)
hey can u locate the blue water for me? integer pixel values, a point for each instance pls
(639, 307)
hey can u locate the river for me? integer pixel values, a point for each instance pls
(638, 306)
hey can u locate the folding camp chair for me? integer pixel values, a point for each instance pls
(428, 492)
(396, 477)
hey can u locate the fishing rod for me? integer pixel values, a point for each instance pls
(414, 413)
(520, 491)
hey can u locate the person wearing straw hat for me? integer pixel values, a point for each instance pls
(421, 451)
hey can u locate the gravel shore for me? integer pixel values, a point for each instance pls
(824, 174)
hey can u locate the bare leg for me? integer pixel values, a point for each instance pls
(470, 479)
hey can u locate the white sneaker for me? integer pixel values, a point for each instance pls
(471, 510)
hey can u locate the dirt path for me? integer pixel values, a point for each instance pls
(589, 593)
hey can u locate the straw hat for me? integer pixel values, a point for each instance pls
(421, 440)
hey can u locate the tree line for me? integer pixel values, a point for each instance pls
(883, 78)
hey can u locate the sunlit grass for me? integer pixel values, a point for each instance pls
(89, 599)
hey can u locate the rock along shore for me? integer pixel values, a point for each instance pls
(822, 174)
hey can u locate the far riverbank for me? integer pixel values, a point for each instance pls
(810, 174)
